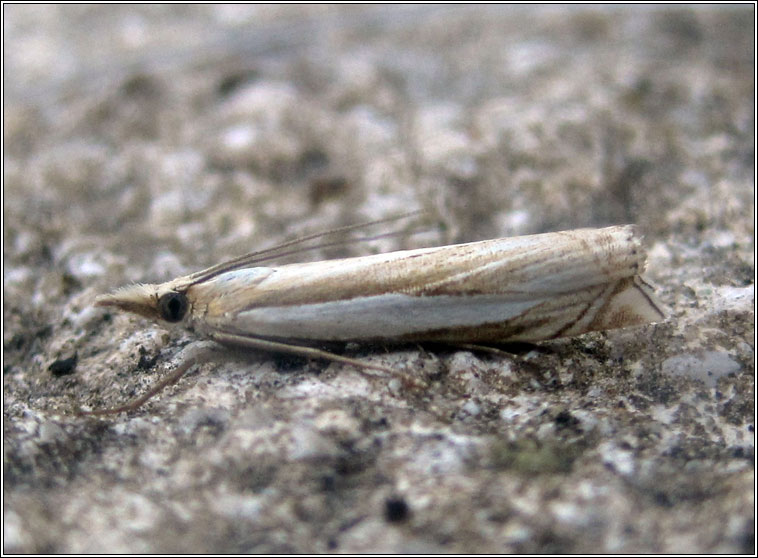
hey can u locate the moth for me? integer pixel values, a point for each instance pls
(526, 289)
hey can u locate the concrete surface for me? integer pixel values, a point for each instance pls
(143, 142)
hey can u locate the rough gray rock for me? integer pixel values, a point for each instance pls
(142, 142)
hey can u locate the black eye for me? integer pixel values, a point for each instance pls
(172, 306)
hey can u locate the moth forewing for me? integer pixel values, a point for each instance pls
(521, 289)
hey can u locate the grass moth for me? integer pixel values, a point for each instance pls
(528, 288)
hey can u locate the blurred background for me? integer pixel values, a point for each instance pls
(143, 141)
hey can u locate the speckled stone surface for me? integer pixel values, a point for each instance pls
(144, 142)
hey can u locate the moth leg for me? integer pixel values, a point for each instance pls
(518, 349)
(312, 352)
(136, 403)
(481, 349)
(198, 353)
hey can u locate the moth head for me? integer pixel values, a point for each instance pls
(157, 302)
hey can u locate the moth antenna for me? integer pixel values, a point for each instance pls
(275, 252)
